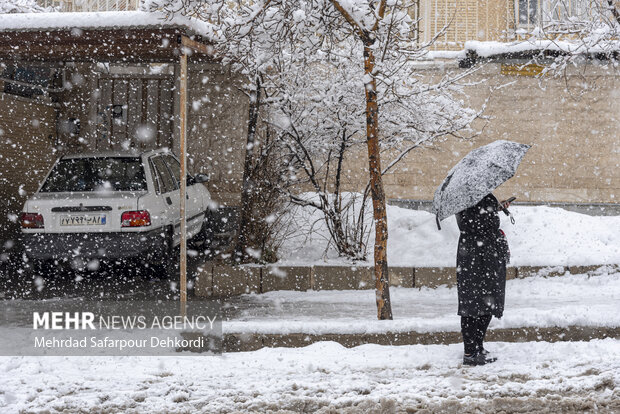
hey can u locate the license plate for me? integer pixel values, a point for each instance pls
(91, 220)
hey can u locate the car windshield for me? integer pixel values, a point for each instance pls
(96, 174)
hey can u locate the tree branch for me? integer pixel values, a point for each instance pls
(357, 27)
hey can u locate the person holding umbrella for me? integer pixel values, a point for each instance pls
(481, 274)
(482, 252)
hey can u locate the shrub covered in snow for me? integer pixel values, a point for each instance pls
(23, 6)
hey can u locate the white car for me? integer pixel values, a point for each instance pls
(112, 205)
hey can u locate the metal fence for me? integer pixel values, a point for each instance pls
(91, 5)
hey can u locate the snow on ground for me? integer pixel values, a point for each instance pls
(541, 236)
(323, 377)
(562, 301)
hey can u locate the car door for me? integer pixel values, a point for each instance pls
(193, 206)
(154, 202)
(169, 193)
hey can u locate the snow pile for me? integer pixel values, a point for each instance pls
(541, 236)
(324, 377)
(534, 302)
(446, 54)
(494, 48)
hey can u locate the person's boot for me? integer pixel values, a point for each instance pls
(477, 358)
(486, 353)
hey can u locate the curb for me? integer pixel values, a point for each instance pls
(234, 342)
(216, 280)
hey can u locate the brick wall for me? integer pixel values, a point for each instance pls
(465, 20)
(575, 154)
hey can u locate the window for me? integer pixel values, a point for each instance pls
(534, 12)
(166, 180)
(175, 167)
(38, 77)
(527, 12)
(96, 174)
(562, 10)
(154, 177)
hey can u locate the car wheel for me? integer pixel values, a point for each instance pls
(204, 238)
(166, 266)
(31, 281)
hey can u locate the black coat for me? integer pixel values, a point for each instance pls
(481, 260)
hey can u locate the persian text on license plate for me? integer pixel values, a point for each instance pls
(96, 220)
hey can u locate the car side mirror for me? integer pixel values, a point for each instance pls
(201, 178)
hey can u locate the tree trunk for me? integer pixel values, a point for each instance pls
(614, 11)
(242, 241)
(382, 285)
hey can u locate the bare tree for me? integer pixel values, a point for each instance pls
(336, 73)
(318, 114)
(574, 31)
(23, 6)
(245, 215)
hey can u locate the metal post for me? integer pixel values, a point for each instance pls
(187, 46)
(183, 155)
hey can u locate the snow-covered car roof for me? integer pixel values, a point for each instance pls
(100, 20)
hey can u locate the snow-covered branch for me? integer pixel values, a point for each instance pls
(23, 6)
(586, 29)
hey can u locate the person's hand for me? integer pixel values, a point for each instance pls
(504, 204)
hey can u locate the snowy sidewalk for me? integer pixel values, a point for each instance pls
(324, 378)
(539, 302)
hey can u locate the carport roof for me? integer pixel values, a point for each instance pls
(132, 36)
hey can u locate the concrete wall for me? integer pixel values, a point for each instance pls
(575, 154)
(27, 135)
(224, 280)
(217, 129)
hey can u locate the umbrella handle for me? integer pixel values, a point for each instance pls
(507, 212)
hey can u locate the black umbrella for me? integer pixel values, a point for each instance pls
(476, 175)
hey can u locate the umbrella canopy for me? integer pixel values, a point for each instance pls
(476, 175)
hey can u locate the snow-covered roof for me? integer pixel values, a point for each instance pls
(489, 49)
(101, 21)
